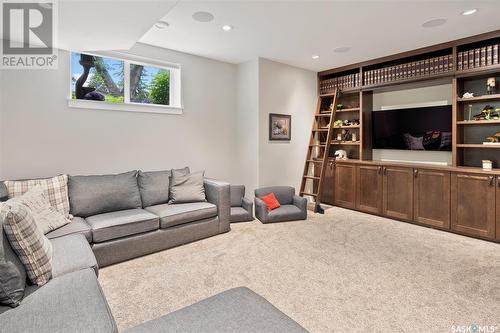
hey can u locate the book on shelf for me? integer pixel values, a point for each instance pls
(471, 59)
(459, 56)
(489, 55)
(495, 54)
(477, 58)
(483, 56)
(465, 63)
(450, 62)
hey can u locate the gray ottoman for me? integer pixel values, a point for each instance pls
(234, 310)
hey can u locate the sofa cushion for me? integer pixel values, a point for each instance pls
(238, 214)
(234, 310)
(176, 214)
(237, 194)
(286, 213)
(29, 243)
(56, 189)
(284, 194)
(122, 223)
(76, 226)
(72, 253)
(73, 302)
(187, 188)
(154, 187)
(92, 195)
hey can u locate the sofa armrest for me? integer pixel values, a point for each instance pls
(300, 203)
(218, 193)
(261, 210)
(247, 205)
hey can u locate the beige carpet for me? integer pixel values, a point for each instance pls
(339, 272)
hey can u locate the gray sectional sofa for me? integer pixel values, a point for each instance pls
(127, 215)
(113, 224)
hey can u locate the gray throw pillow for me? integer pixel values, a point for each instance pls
(12, 284)
(187, 188)
(154, 187)
(92, 195)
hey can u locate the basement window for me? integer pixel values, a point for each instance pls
(125, 83)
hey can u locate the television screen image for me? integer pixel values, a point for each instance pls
(421, 128)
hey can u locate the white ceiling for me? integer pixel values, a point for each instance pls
(292, 31)
(87, 25)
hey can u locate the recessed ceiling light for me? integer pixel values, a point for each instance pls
(161, 24)
(227, 27)
(469, 12)
(315, 57)
(203, 17)
(434, 23)
(342, 49)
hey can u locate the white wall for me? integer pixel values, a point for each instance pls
(288, 90)
(413, 96)
(44, 137)
(246, 162)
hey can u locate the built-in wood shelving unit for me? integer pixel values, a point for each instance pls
(437, 64)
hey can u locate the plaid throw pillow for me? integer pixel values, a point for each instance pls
(31, 246)
(56, 190)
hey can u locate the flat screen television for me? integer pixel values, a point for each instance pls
(420, 128)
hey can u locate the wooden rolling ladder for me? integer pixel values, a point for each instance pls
(319, 145)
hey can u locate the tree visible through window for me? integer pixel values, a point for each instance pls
(117, 81)
(149, 85)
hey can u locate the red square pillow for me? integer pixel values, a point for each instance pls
(271, 201)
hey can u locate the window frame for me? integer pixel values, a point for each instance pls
(175, 87)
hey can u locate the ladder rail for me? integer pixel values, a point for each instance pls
(325, 146)
(327, 153)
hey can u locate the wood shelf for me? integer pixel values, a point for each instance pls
(346, 143)
(480, 98)
(477, 145)
(477, 71)
(352, 126)
(348, 110)
(478, 122)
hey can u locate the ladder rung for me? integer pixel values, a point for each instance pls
(320, 130)
(309, 194)
(317, 145)
(312, 177)
(314, 161)
(324, 114)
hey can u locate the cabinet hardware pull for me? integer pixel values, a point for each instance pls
(385, 171)
(498, 181)
(415, 172)
(491, 180)
(380, 170)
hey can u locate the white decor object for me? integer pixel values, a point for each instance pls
(487, 165)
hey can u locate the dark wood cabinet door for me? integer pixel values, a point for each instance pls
(327, 196)
(369, 185)
(431, 198)
(473, 204)
(398, 193)
(345, 185)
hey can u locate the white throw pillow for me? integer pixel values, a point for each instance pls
(46, 217)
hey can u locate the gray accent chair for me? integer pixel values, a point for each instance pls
(292, 207)
(241, 207)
